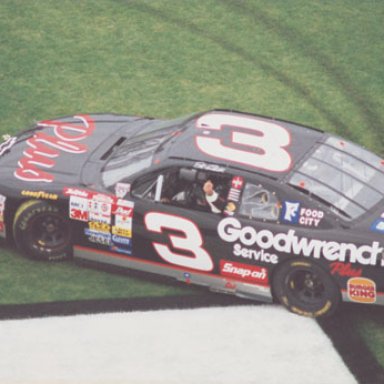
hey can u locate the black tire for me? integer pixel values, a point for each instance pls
(41, 231)
(305, 288)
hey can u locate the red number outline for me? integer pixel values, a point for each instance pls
(217, 141)
(164, 251)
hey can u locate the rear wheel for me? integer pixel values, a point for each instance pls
(41, 231)
(305, 288)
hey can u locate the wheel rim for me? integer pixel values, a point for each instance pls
(49, 232)
(306, 286)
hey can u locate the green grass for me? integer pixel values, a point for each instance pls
(372, 332)
(317, 63)
(27, 281)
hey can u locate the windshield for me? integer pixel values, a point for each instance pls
(136, 154)
(344, 176)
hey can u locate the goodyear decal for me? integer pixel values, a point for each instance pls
(40, 195)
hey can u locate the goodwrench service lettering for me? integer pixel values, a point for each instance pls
(231, 230)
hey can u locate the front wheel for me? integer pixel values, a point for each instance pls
(305, 288)
(41, 231)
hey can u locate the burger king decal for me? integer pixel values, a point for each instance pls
(361, 290)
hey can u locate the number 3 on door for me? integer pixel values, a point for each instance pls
(189, 242)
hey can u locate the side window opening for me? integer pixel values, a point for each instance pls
(259, 203)
(145, 188)
(185, 187)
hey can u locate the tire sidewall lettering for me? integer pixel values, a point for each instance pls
(24, 223)
(331, 294)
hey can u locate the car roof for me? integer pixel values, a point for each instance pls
(254, 143)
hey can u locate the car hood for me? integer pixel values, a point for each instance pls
(54, 151)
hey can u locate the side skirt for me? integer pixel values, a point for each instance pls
(214, 282)
(378, 301)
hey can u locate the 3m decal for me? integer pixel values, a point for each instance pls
(101, 208)
(361, 290)
(250, 273)
(293, 213)
(89, 206)
(43, 148)
(254, 142)
(100, 211)
(345, 269)
(184, 249)
(232, 231)
(79, 208)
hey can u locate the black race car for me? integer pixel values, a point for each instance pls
(243, 204)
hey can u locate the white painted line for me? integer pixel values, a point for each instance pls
(263, 344)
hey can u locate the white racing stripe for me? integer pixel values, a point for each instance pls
(247, 344)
